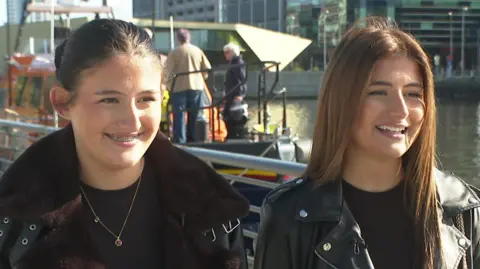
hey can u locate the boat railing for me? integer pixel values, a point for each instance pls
(16, 136)
(265, 94)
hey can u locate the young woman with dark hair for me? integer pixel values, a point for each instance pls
(109, 190)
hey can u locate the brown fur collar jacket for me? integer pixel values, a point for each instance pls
(42, 186)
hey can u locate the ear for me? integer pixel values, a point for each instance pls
(60, 100)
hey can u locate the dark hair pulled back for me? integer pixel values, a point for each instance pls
(95, 42)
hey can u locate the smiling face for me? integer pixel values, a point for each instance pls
(393, 109)
(116, 112)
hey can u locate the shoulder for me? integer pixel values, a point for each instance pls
(454, 194)
(172, 53)
(285, 190)
(18, 235)
(450, 185)
(283, 199)
(31, 173)
(237, 60)
(198, 51)
(194, 47)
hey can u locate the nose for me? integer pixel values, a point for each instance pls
(129, 117)
(398, 107)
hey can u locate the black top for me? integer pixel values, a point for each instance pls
(234, 76)
(141, 246)
(387, 229)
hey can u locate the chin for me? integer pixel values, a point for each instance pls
(125, 160)
(121, 165)
(394, 152)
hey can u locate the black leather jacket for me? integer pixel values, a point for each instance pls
(306, 228)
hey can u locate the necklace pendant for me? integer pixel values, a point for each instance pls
(96, 220)
(118, 242)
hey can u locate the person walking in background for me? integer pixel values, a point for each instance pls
(235, 91)
(188, 89)
(449, 66)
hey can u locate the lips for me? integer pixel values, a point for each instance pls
(392, 129)
(124, 138)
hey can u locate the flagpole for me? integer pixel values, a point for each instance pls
(9, 54)
(52, 47)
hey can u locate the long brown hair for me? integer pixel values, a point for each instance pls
(340, 100)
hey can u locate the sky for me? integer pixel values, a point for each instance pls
(3, 11)
(122, 9)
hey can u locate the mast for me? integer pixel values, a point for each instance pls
(52, 26)
(9, 70)
(172, 44)
(52, 49)
(154, 17)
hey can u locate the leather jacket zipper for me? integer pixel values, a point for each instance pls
(327, 262)
(356, 245)
(356, 248)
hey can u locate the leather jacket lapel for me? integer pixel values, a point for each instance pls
(454, 198)
(344, 247)
(454, 245)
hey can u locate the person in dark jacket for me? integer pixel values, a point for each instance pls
(235, 111)
(109, 190)
(371, 195)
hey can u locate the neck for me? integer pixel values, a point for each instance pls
(372, 174)
(103, 178)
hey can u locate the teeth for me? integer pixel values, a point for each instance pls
(391, 129)
(123, 139)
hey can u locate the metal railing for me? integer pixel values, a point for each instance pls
(15, 137)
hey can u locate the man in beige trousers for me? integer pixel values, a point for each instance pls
(188, 89)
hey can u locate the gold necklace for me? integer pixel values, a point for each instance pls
(118, 241)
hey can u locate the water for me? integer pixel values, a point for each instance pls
(458, 133)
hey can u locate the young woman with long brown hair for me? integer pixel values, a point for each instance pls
(371, 196)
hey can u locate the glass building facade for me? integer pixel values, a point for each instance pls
(447, 29)
(429, 21)
(267, 14)
(324, 22)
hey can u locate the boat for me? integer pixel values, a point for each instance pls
(464, 89)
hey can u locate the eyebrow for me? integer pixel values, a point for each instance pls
(114, 92)
(385, 83)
